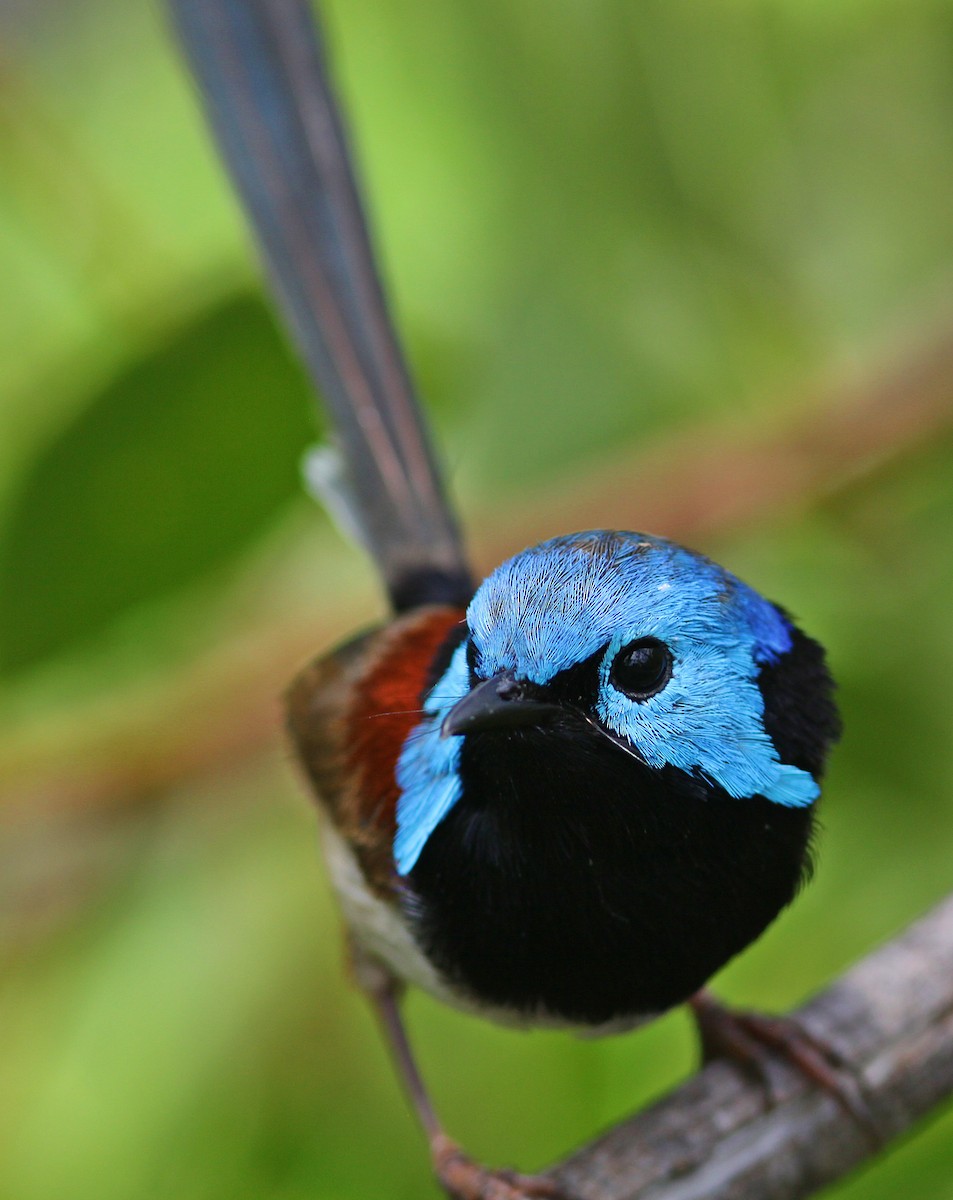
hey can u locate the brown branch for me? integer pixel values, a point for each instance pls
(890, 1016)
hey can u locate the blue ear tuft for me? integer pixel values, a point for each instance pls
(793, 788)
(769, 626)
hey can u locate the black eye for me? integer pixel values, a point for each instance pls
(642, 668)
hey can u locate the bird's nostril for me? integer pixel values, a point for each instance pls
(509, 689)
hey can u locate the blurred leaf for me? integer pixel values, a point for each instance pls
(170, 472)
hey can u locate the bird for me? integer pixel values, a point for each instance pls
(565, 795)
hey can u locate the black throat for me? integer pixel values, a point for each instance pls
(570, 878)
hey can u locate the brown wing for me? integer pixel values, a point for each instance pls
(349, 715)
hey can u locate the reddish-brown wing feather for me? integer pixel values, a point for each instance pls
(349, 715)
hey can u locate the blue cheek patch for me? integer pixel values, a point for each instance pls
(708, 719)
(428, 767)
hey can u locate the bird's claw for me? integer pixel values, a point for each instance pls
(465, 1179)
(753, 1040)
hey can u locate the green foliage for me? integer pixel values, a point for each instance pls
(171, 470)
(603, 222)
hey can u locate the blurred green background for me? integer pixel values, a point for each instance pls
(661, 263)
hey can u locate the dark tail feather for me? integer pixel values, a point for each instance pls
(261, 70)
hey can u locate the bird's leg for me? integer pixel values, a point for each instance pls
(459, 1175)
(752, 1039)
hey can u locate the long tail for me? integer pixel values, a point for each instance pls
(261, 70)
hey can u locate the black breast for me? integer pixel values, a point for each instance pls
(576, 880)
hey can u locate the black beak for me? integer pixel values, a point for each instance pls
(502, 702)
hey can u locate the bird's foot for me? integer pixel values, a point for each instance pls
(753, 1040)
(465, 1179)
